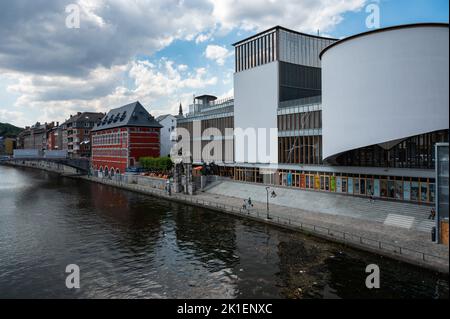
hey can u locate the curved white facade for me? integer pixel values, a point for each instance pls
(383, 86)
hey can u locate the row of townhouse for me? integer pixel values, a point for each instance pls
(73, 135)
(114, 141)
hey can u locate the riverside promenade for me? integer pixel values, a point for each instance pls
(396, 237)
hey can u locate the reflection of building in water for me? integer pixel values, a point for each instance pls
(370, 137)
(302, 267)
(126, 212)
(215, 242)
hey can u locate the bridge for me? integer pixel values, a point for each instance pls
(80, 164)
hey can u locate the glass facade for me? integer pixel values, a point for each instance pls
(413, 152)
(301, 49)
(419, 190)
(281, 45)
(300, 150)
(299, 81)
(256, 51)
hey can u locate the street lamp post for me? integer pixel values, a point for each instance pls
(267, 202)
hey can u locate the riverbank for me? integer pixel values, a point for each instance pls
(410, 246)
(45, 165)
(131, 245)
(388, 241)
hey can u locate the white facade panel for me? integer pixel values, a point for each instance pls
(26, 153)
(255, 110)
(55, 153)
(167, 138)
(385, 86)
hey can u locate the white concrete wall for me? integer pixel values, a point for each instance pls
(55, 154)
(385, 86)
(255, 107)
(165, 137)
(26, 153)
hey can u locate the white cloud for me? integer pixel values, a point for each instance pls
(57, 71)
(217, 53)
(7, 116)
(306, 15)
(182, 67)
(55, 97)
(202, 38)
(34, 38)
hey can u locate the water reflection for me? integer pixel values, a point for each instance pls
(133, 246)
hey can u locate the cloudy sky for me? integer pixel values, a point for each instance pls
(159, 52)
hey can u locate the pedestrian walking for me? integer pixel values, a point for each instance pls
(432, 214)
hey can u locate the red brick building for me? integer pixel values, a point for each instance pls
(54, 138)
(122, 137)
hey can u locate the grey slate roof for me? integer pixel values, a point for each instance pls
(162, 117)
(133, 114)
(85, 116)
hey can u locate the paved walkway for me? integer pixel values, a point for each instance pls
(342, 213)
(390, 213)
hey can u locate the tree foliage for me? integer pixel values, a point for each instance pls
(9, 130)
(156, 163)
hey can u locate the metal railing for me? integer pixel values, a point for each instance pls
(301, 102)
(322, 231)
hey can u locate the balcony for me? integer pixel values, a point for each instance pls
(210, 106)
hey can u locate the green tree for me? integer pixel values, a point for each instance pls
(160, 164)
(9, 130)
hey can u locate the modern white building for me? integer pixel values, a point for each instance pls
(272, 68)
(357, 116)
(384, 86)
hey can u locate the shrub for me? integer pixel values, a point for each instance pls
(156, 163)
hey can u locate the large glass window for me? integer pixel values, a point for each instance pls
(350, 185)
(415, 191)
(356, 186)
(398, 189)
(370, 187)
(414, 152)
(424, 192)
(384, 188)
(406, 190)
(362, 186)
(432, 189)
(344, 185)
(391, 189)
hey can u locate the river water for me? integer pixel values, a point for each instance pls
(129, 245)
